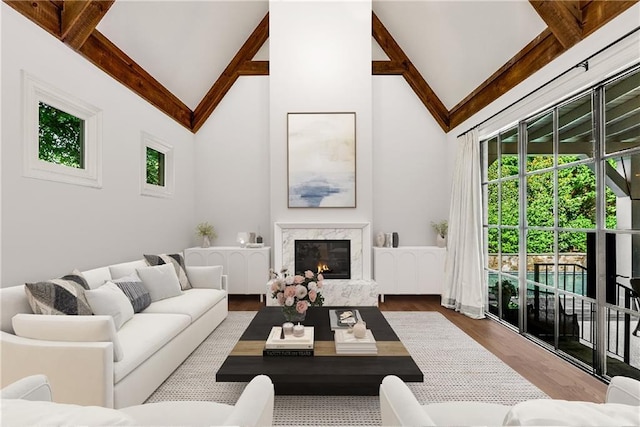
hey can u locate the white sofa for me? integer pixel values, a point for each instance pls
(28, 402)
(151, 345)
(399, 407)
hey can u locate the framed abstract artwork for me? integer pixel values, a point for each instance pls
(321, 160)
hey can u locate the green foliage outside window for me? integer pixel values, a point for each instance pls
(576, 205)
(60, 137)
(155, 167)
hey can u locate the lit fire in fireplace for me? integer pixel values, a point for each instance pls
(322, 267)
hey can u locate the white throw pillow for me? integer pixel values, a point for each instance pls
(109, 299)
(68, 329)
(161, 281)
(205, 276)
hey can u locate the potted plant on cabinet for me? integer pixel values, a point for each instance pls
(207, 232)
(441, 229)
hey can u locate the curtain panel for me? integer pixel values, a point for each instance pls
(464, 276)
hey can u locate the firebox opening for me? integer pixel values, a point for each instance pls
(332, 258)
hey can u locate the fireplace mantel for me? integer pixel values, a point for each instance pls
(285, 234)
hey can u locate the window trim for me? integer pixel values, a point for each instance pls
(36, 91)
(163, 147)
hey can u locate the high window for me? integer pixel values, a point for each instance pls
(156, 167)
(62, 137)
(562, 226)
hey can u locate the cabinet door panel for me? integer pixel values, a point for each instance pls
(385, 271)
(257, 272)
(195, 257)
(237, 271)
(407, 272)
(217, 258)
(432, 272)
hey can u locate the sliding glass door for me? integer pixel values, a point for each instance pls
(562, 226)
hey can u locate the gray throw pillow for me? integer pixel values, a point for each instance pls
(134, 290)
(59, 296)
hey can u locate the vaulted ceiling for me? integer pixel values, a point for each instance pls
(184, 56)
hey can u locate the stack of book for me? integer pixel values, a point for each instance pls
(279, 344)
(343, 318)
(346, 343)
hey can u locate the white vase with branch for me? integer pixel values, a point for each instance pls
(207, 232)
(441, 228)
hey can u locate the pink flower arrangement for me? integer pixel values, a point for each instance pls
(297, 292)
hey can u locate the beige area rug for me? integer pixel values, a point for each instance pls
(455, 367)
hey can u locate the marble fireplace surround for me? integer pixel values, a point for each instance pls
(359, 233)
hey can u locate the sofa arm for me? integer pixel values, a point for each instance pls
(69, 329)
(399, 406)
(254, 407)
(623, 390)
(209, 276)
(79, 372)
(34, 387)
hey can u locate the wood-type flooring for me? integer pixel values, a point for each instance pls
(553, 375)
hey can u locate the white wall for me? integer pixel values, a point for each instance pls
(320, 61)
(403, 182)
(232, 163)
(50, 228)
(411, 182)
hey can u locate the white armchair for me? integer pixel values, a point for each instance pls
(399, 407)
(27, 402)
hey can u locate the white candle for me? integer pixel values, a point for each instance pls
(287, 327)
(298, 330)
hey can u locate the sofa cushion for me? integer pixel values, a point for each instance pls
(13, 300)
(59, 296)
(548, 412)
(126, 268)
(69, 329)
(109, 300)
(466, 413)
(194, 303)
(161, 281)
(180, 413)
(135, 291)
(97, 277)
(178, 263)
(18, 412)
(142, 336)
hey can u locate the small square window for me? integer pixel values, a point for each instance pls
(156, 167)
(62, 135)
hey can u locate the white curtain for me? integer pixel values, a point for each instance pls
(464, 277)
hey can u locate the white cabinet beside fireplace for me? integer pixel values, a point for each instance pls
(247, 269)
(409, 270)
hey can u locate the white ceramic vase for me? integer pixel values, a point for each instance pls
(441, 241)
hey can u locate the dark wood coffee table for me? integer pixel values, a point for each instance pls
(325, 373)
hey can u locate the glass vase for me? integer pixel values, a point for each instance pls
(292, 315)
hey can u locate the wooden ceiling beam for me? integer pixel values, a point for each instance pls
(411, 74)
(113, 61)
(254, 68)
(564, 19)
(538, 53)
(230, 74)
(79, 19)
(597, 13)
(388, 68)
(43, 12)
(541, 51)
